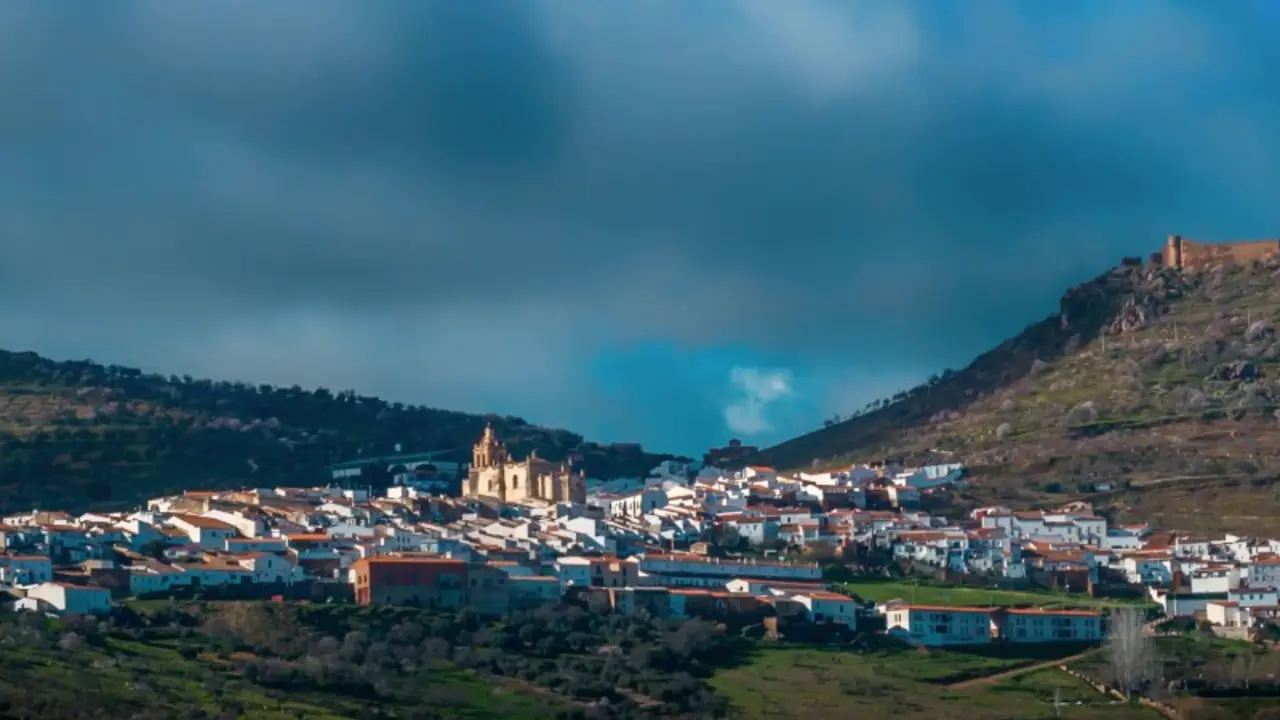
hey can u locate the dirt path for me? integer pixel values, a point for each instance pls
(989, 679)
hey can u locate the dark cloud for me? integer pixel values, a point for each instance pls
(469, 203)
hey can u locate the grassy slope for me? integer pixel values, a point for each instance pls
(805, 683)
(1156, 419)
(882, 590)
(123, 677)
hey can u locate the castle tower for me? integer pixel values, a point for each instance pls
(1173, 251)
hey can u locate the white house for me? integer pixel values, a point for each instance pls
(208, 533)
(1226, 613)
(66, 599)
(350, 531)
(1191, 547)
(152, 576)
(248, 524)
(937, 625)
(631, 504)
(1254, 596)
(270, 568)
(822, 606)
(1148, 568)
(1214, 580)
(1264, 571)
(1122, 538)
(25, 569)
(573, 571)
(258, 544)
(755, 530)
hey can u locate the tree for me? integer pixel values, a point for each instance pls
(1134, 665)
(72, 643)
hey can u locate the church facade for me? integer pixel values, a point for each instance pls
(495, 474)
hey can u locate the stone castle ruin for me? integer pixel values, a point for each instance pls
(1186, 254)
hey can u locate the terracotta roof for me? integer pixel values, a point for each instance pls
(401, 560)
(204, 522)
(825, 595)
(70, 586)
(1049, 611)
(946, 608)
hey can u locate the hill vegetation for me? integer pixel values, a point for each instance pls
(268, 660)
(1163, 383)
(78, 434)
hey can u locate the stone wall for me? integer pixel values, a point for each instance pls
(1166, 710)
(1182, 253)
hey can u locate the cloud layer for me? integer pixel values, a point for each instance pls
(470, 204)
(757, 388)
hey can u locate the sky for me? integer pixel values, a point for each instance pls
(653, 221)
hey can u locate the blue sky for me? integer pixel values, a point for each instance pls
(658, 221)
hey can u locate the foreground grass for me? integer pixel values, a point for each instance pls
(785, 682)
(875, 590)
(122, 677)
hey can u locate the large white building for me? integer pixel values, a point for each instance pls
(686, 570)
(1036, 625)
(939, 625)
(936, 625)
(66, 599)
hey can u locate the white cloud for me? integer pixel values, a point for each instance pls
(833, 46)
(759, 389)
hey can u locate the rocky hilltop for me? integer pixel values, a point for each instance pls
(1152, 390)
(79, 434)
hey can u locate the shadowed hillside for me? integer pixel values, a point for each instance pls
(1148, 375)
(78, 434)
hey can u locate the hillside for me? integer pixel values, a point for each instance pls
(78, 434)
(1166, 381)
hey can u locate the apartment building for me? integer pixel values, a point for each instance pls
(938, 625)
(1038, 625)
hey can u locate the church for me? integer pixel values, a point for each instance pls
(494, 474)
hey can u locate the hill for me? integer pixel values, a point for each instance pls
(165, 659)
(75, 435)
(1161, 381)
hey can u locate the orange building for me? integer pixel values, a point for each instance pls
(406, 580)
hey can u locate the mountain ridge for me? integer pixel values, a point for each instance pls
(77, 434)
(1147, 372)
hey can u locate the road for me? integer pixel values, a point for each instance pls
(989, 679)
(1148, 629)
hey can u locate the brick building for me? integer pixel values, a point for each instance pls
(403, 580)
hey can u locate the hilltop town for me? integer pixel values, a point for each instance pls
(689, 540)
(1005, 547)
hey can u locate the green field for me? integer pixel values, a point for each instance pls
(933, 594)
(788, 682)
(125, 677)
